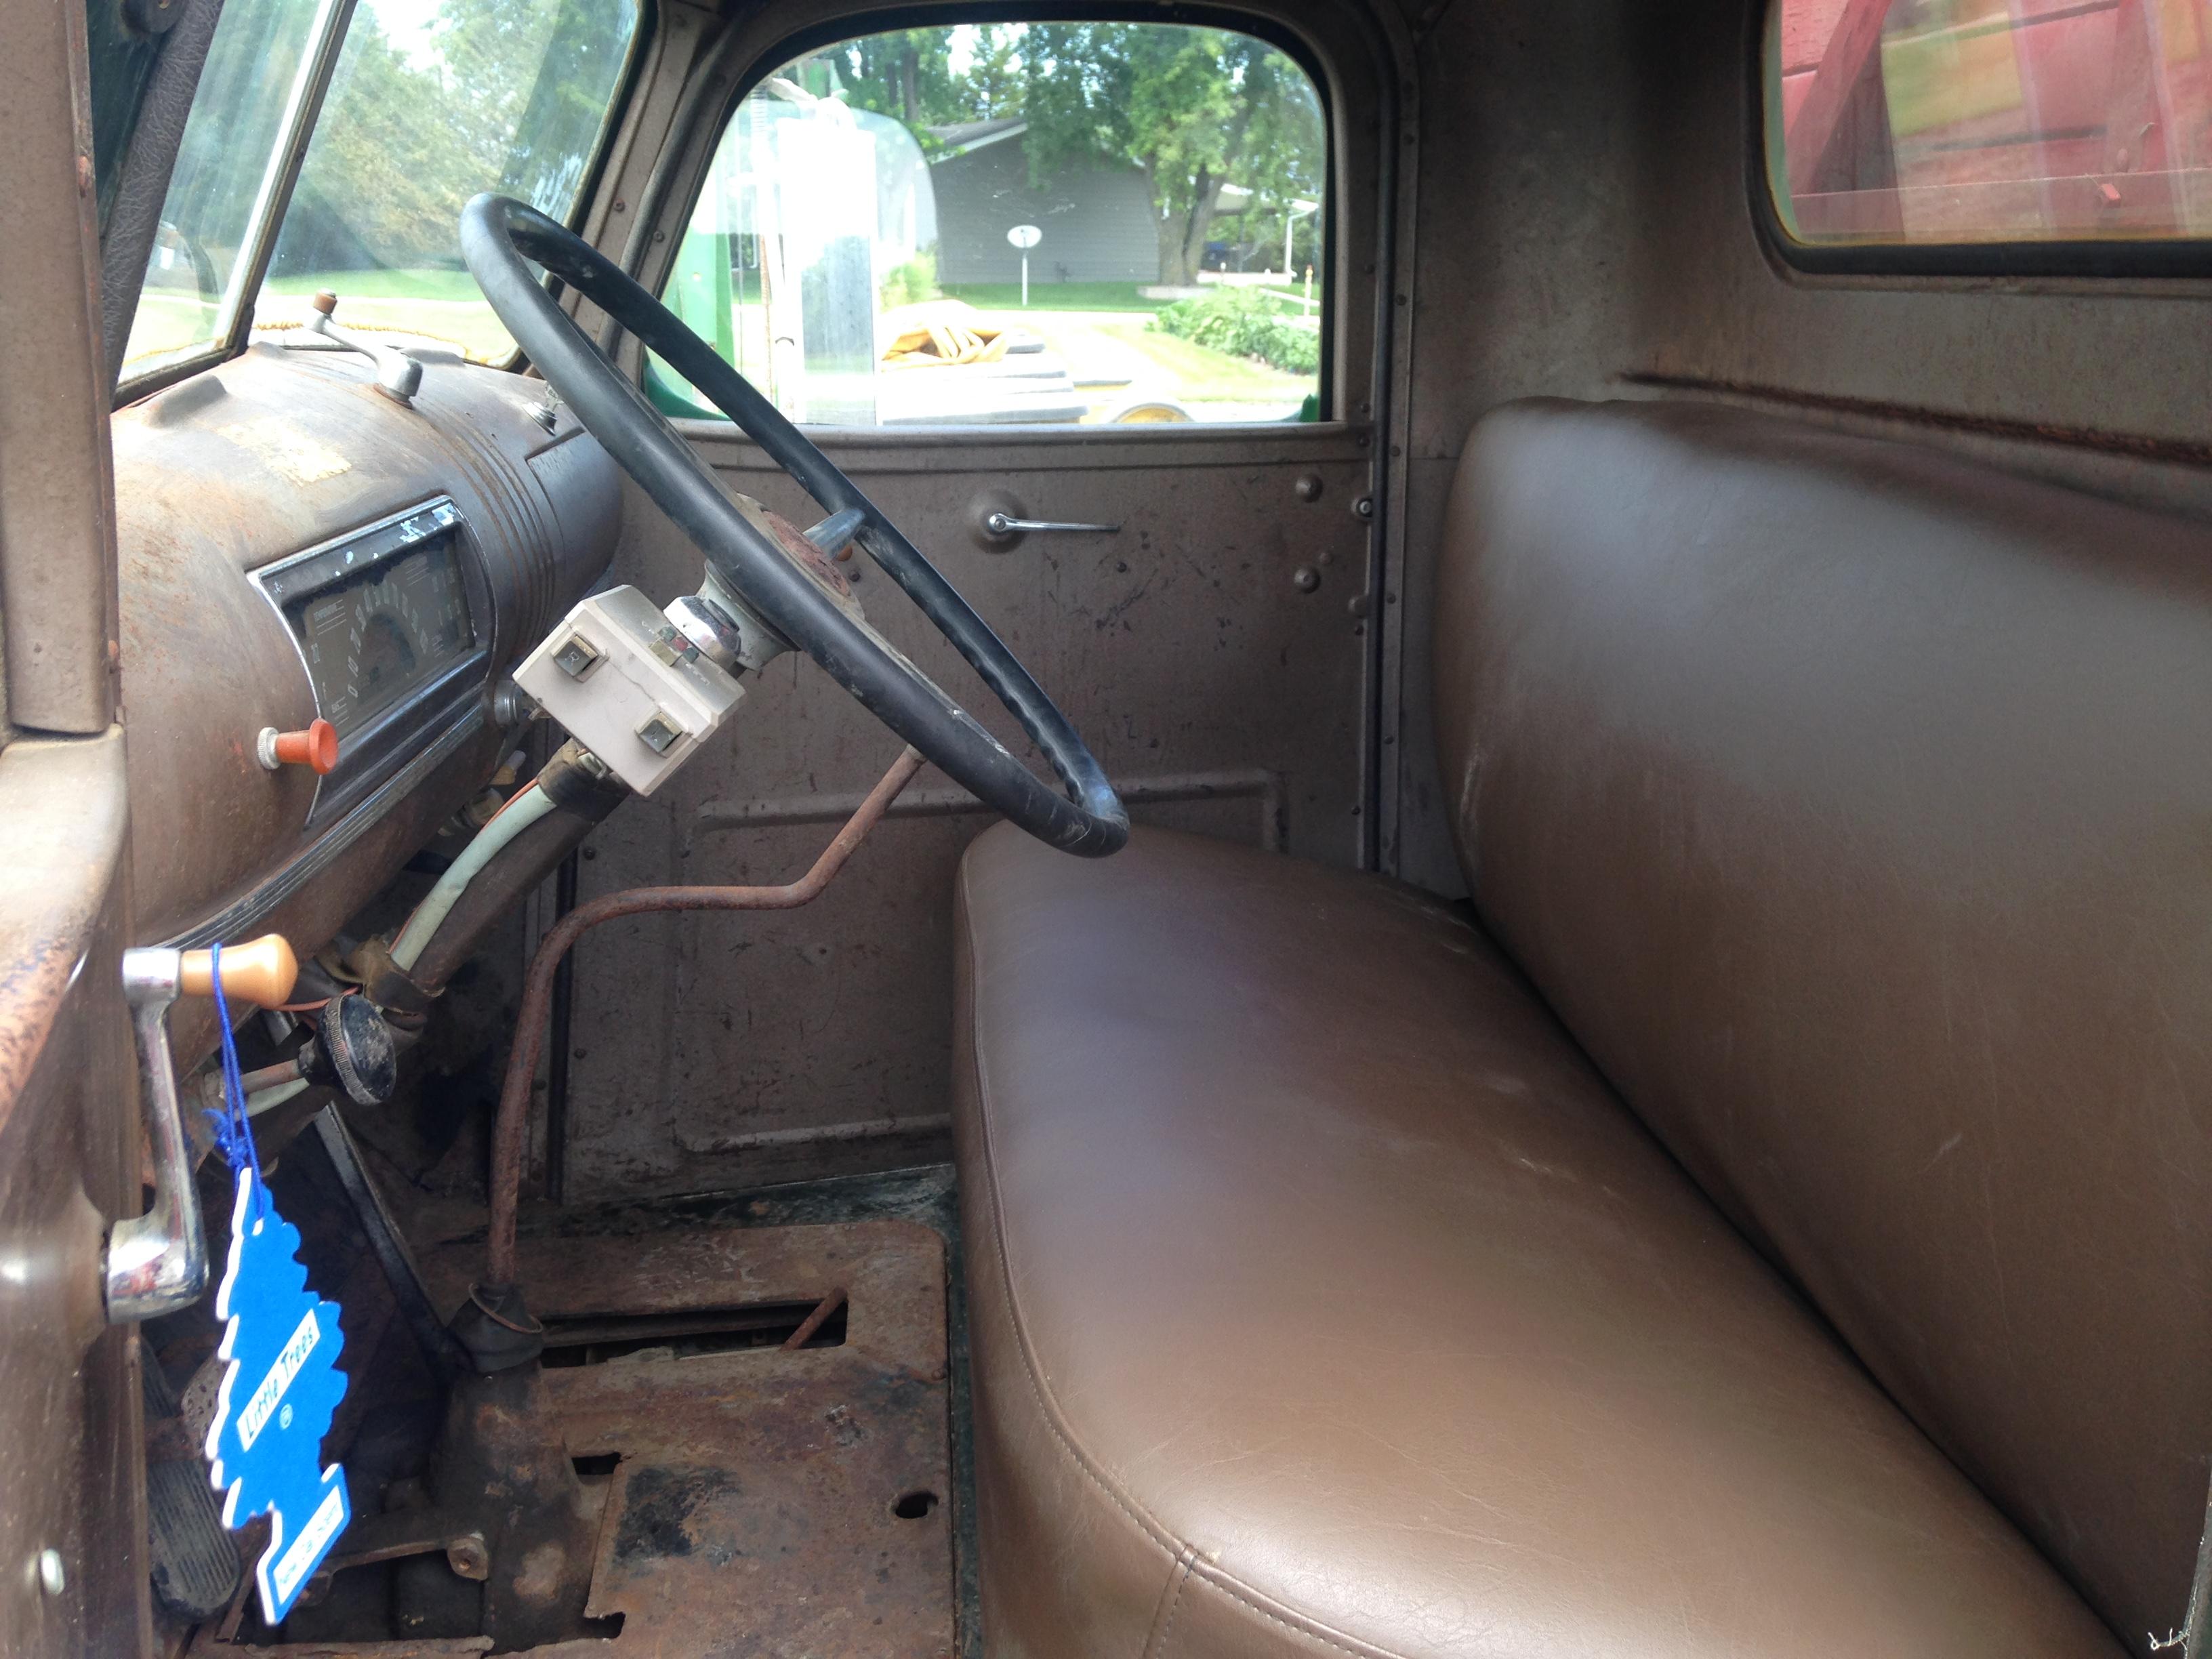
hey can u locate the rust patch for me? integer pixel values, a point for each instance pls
(658, 1506)
(768, 1500)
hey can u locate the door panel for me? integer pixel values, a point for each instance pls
(1213, 653)
(69, 1431)
(72, 1505)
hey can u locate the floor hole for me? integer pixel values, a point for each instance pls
(913, 1506)
(595, 1339)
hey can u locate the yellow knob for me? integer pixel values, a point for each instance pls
(261, 970)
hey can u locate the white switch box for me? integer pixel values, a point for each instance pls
(630, 687)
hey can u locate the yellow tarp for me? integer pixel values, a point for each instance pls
(929, 343)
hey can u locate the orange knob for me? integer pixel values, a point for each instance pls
(316, 747)
(261, 970)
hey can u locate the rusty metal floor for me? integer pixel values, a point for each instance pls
(757, 1499)
(925, 1195)
(762, 1500)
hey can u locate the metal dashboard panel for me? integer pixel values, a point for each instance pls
(240, 471)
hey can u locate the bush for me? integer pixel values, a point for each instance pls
(913, 281)
(1244, 323)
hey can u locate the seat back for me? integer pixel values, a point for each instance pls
(1852, 805)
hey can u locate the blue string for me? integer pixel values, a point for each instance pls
(234, 1131)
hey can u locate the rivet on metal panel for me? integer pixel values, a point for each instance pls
(1305, 579)
(1357, 607)
(53, 1576)
(1308, 487)
(1364, 508)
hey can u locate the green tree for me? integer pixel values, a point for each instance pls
(1195, 108)
(906, 74)
(484, 94)
(993, 83)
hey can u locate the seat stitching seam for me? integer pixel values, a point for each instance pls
(1171, 1604)
(1295, 1624)
(1158, 1535)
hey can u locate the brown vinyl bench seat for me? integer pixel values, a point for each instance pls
(1778, 1226)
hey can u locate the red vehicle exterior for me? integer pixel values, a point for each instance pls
(1987, 120)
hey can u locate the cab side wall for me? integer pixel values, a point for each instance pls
(1586, 229)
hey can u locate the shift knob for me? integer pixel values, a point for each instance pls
(261, 971)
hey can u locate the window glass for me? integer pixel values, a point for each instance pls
(1964, 121)
(433, 101)
(254, 71)
(1017, 222)
(430, 101)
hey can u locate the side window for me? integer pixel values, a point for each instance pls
(1959, 122)
(1051, 222)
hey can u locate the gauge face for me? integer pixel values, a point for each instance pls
(385, 632)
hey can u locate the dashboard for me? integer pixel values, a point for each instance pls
(296, 545)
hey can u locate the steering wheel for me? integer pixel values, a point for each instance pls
(497, 235)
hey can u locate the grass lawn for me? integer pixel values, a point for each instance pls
(1053, 296)
(167, 322)
(427, 285)
(444, 306)
(1199, 373)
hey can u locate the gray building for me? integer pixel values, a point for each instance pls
(1098, 221)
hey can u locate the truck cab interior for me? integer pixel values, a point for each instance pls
(1032, 827)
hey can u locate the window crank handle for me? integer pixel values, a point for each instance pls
(157, 1263)
(1004, 523)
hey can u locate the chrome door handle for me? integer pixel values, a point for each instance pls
(1004, 523)
(157, 1263)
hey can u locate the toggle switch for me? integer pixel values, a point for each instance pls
(315, 748)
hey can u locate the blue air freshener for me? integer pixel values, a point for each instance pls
(266, 1444)
(281, 1384)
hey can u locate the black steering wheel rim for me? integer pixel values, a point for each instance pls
(498, 234)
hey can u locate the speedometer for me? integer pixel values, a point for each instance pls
(384, 626)
(382, 630)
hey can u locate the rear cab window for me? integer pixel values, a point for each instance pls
(1016, 223)
(2026, 124)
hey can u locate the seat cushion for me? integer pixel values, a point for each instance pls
(1323, 1299)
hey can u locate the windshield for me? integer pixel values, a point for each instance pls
(430, 102)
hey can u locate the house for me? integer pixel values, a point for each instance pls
(1097, 221)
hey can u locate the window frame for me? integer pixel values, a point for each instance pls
(676, 209)
(2099, 261)
(262, 242)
